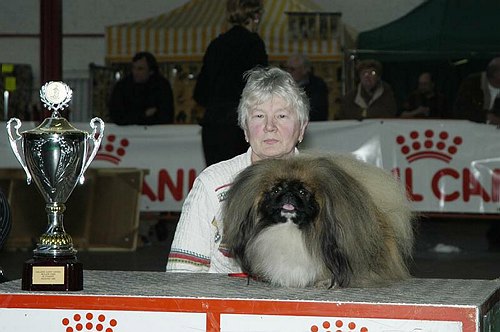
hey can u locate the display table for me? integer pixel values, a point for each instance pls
(157, 301)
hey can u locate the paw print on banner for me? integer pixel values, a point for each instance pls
(338, 327)
(112, 149)
(89, 323)
(430, 145)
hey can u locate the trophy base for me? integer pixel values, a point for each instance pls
(52, 274)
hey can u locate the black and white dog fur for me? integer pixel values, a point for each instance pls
(319, 221)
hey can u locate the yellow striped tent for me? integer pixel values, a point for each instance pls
(184, 33)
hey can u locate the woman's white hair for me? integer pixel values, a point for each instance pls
(265, 83)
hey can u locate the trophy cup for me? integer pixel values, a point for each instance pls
(55, 156)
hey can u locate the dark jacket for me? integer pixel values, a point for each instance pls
(220, 82)
(437, 104)
(470, 101)
(382, 105)
(129, 101)
(317, 92)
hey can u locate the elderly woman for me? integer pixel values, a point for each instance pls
(273, 113)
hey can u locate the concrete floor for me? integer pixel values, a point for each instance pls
(445, 248)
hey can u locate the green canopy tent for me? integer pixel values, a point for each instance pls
(449, 38)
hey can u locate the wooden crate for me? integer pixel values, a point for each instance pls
(101, 214)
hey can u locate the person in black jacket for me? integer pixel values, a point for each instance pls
(299, 66)
(144, 97)
(5, 226)
(220, 81)
(478, 97)
(426, 101)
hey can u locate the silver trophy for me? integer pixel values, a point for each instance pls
(55, 156)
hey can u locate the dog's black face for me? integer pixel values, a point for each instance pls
(288, 200)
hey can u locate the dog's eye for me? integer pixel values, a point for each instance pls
(277, 190)
(303, 192)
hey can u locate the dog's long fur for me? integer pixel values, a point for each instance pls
(340, 222)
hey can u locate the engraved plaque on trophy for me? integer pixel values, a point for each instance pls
(55, 156)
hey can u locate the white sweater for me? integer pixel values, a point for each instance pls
(195, 247)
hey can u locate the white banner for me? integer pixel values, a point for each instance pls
(271, 323)
(24, 319)
(448, 166)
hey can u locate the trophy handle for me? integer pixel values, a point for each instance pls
(16, 142)
(96, 141)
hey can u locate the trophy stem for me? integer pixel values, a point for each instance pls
(55, 242)
(54, 266)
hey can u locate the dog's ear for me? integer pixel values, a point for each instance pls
(334, 257)
(239, 243)
(240, 214)
(351, 228)
(347, 216)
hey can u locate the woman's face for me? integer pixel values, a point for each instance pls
(273, 130)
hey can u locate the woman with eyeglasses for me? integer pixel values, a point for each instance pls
(372, 97)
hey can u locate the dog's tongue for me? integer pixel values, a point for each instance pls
(288, 207)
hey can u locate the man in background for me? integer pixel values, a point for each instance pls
(299, 66)
(425, 101)
(477, 98)
(143, 97)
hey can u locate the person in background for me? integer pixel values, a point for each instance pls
(425, 101)
(5, 226)
(478, 100)
(143, 97)
(478, 96)
(372, 97)
(273, 113)
(299, 66)
(220, 82)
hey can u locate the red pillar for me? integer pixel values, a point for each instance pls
(50, 41)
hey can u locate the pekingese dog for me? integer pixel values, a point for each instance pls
(324, 221)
